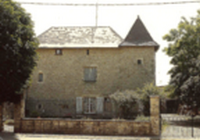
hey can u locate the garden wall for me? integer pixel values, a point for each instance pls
(90, 127)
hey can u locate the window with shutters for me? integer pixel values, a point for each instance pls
(89, 105)
(90, 74)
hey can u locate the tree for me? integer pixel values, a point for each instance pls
(17, 50)
(148, 90)
(184, 48)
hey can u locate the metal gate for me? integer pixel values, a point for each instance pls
(174, 125)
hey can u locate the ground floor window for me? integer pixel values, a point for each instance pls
(89, 105)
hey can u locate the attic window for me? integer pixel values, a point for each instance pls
(88, 52)
(58, 52)
(139, 61)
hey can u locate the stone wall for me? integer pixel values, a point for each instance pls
(87, 127)
(91, 127)
(155, 115)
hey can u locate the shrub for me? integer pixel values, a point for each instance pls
(128, 103)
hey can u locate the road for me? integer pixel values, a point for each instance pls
(8, 134)
(11, 136)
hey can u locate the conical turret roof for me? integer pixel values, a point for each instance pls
(138, 36)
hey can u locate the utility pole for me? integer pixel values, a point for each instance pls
(96, 22)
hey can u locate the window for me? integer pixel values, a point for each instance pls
(40, 77)
(139, 61)
(88, 52)
(90, 74)
(39, 106)
(58, 52)
(107, 104)
(89, 105)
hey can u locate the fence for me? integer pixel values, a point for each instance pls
(174, 125)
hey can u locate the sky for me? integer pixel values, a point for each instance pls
(158, 19)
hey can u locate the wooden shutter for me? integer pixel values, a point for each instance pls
(90, 74)
(79, 103)
(93, 74)
(99, 106)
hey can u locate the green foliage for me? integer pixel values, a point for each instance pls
(184, 48)
(169, 89)
(9, 122)
(133, 103)
(17, 50)
(128, 103)
(142, 118)
(35, 114)
(145, 92)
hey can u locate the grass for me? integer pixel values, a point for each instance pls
(9, 122)
(142, 118)
(164, 125)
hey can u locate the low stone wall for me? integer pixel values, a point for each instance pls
(87, 127)
(90, 127)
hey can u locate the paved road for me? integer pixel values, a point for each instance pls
(11, 136)
(73, 137)
(180, 126)
(8, 134)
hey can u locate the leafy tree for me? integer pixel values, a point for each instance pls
(146, 91)
(17, 50)
(128, 102)
(184, 48)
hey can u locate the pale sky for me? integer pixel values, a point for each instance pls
(158, 19)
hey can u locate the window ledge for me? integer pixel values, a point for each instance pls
(89, 81)
(89, 112)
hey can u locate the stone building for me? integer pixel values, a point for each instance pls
(79, 67)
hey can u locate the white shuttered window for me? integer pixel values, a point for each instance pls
(99, 106)
(89, 105)
(79, 107)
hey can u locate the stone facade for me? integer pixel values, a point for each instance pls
(117, 69)
(63, 75)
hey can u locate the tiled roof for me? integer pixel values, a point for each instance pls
(139, 36)
(75, 37)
